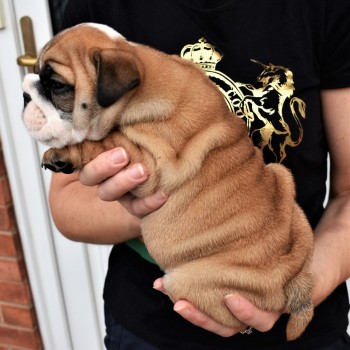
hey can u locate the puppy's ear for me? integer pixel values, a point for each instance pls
(117, 74)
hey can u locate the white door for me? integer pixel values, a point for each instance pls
(66, 277)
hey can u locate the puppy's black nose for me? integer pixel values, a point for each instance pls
(26, 98)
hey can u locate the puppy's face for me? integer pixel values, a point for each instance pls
(85, 77)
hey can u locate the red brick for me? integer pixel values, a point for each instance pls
(19, 316)
(5, 194)
(2, 164)
(15, 292)
(12, 269)
(7, 218)
(9, 245)
(28, 339)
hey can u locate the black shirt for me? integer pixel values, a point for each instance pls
(270, 59)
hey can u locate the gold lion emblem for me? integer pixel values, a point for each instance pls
(272, 114)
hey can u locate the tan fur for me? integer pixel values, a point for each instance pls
(231, 223)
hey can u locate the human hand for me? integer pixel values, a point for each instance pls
(114, 178)
(240, 307)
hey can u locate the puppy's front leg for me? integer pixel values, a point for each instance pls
(73, 157)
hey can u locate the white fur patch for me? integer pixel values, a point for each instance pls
(43, 121)
(110, 32)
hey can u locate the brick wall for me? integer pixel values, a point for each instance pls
(18, 324)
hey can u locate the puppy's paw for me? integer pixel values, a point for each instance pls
(56, 162)
(59, 166)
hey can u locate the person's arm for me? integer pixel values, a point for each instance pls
(330, 265)
(332, 235)
(85, 208)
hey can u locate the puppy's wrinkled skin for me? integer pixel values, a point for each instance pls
(231, 223)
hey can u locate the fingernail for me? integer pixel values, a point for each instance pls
(157, 284)
(232, 301)
(136, 172)
(118, 155)
(160, 196)
(182, 310)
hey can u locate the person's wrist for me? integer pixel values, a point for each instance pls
(324, 284)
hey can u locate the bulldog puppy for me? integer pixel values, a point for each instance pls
(231, 223)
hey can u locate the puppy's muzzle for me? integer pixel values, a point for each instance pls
(26, 98)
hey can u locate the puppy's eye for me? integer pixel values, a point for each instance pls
(58, 87)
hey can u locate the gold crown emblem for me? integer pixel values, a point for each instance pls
(202, 53)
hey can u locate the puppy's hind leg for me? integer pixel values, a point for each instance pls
(201, 284)
(299, 304)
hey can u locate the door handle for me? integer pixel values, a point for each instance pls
(29, 58)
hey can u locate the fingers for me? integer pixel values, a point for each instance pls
(248, 314)
(115, 178)
(198, 318)
(108, 170)
(103, 166)
(240, 307)
(143, 206)
(158, 284)
(122, 182)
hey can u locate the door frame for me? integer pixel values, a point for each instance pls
(66, 278)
